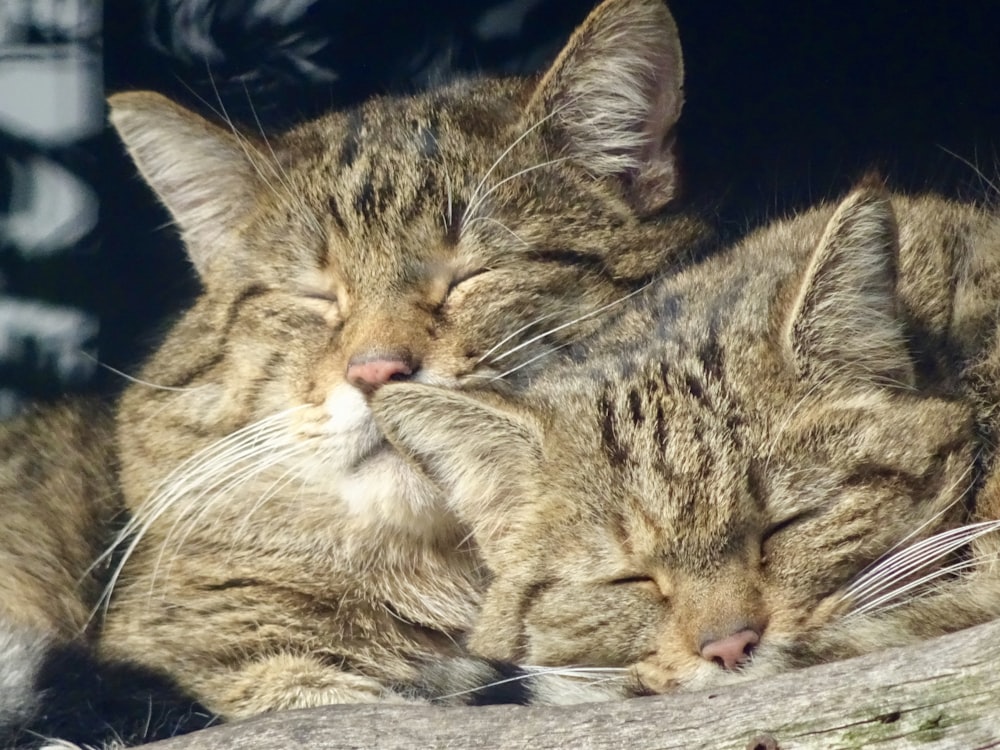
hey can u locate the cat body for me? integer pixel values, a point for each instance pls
(61, 452)
(775, 458)
(276, 552)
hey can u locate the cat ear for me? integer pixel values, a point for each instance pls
(845, 322)
(203, 174)
(614, 95)
(478, 453)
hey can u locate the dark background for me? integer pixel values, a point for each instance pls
(787, 103)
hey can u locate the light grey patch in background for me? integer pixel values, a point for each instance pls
(58, 339)
(66, 19)
(50, 207)
(51, 95)
(504, 20)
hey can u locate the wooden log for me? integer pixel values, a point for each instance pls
(944, 693)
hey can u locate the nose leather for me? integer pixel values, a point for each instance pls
(732, 650)
(370, 372)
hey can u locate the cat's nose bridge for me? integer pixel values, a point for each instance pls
(723, 618)
(380, 348)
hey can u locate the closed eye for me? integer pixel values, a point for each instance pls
(323, 303)
(785, 523)
(318, 294)
(647, 585)
(461, 278)
(631, 580)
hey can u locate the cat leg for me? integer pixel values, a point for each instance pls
(285, 681)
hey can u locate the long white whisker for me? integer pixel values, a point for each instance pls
(876, 604)
(279, 171)
(133, 379)
(573, 322)
(520, 173)
(500, 224)
(918, 556)
(219, 492)
(911, 560)
(507, 338)
(515, 368)
(536, 671)
(159, 501)
(503, 155)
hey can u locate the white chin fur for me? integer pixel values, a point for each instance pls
(350, 429)
(373, 481)
(22, 652)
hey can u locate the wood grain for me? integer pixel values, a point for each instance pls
(944, 693)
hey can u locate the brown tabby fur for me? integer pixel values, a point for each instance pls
(280, 554)
(740, 447)
(62, 452)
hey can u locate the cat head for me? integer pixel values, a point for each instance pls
(702, 507)
(449, 237)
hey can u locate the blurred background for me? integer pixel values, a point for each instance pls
(788, 102)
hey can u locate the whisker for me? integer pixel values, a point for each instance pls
(473, 207)
(218, 493)
(887, 574)
(531, 672)
(500, 224)
(279, 171)
(159, 501)
(499, 159)
(984, 180)
(507, 338)
(573, 322)
(134, 379)
(902, 543)
(876, 604)
(547, 352)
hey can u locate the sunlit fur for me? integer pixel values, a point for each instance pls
(276, 553)
(795, 437)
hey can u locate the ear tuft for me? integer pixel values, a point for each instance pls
(614, 95)
(845, 323)
(203, 174)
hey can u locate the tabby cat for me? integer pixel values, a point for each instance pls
(782, 456)
(277, 552)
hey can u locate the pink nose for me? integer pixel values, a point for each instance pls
(369, 373)
(731, 651)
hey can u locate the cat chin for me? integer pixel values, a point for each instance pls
(385, 491)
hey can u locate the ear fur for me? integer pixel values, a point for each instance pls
(845, 324)
(203, 174)
(478, 453)
(614, 95)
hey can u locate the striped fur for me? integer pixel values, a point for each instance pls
(275, 552)
(789, 448)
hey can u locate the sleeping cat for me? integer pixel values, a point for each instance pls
(277, 553)
(782, 456)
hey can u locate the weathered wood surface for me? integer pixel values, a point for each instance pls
(942, 694)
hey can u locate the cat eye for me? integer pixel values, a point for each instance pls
(318, 294)
(323, 303)
(461, 278)
(785, 523)
(641, 581)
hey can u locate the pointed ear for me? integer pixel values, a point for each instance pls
(614, 95)
(845, 323)
(203, 174)
(482, 455)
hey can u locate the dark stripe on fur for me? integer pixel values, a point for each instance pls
(471, 681)
(89, 702)
(575, 258)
